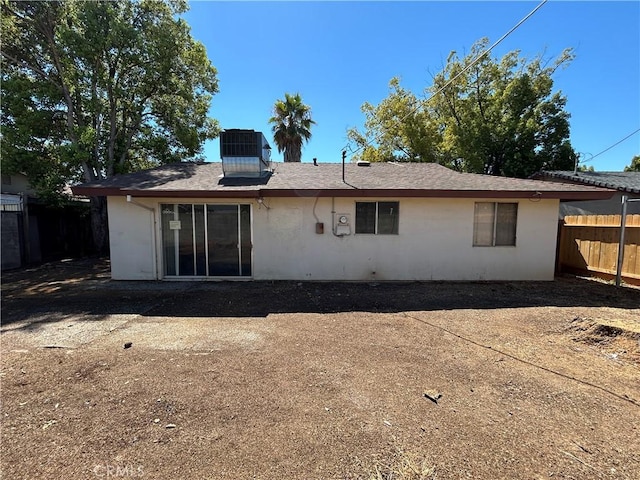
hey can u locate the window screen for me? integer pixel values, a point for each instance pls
(365, 217)
(387, 218)
(483, 223)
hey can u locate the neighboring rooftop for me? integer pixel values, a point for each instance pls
(622, 181)
(206, 180)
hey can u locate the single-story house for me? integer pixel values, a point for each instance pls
(327, 221)
(625, 183)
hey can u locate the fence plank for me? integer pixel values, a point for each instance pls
(594, 253)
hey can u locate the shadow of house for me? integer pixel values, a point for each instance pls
(226, 300)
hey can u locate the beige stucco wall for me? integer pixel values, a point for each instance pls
(132, 240)
(434, 242)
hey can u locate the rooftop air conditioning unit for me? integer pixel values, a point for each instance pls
(244, 153)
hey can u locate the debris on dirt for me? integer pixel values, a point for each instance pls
(617, 337)
(48, 424)
(571, 455)
(585, 450)
(433, 395)
(170, 425)
(401, 464)
(128, 345)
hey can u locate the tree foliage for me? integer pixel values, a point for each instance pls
(489, 116)
(634, 166)
(402, 131)
(93, 89)
(291, 122)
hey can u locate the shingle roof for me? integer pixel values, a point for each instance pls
(325, 179)
(622, 181)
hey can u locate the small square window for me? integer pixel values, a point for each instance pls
(379, 218)
(494, 224)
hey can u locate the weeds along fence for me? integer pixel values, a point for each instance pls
(589, 244)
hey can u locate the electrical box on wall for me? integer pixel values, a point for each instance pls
(342, 224)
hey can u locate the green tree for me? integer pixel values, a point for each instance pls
(634, 166)
(402, 131)
(291, 126)
(93, 89)
(496, 117)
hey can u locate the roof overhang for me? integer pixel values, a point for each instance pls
(613, 180)
(347, 192)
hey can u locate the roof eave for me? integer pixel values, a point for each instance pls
(581, 180)
(119, 192)
(349, 193)
(441, 193)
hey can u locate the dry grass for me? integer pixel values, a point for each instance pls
(403, 465)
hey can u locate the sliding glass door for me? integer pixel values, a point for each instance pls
(206, 240)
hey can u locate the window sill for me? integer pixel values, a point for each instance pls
(494, 246)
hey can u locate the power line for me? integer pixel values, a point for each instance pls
(626, 398)
(451, 80)
(614, 145)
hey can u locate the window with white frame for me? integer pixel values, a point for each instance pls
(378, 218)
(494, 224)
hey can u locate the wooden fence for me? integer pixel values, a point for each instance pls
(589, 243)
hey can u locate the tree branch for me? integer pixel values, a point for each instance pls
(34, 68)
(49, 34)
(480, 105)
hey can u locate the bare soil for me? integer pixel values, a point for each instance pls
(513, 380)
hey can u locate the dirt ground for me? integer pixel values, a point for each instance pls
(274, 380)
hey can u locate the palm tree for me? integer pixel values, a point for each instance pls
(291, 126)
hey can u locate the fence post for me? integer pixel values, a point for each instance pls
(623, 222)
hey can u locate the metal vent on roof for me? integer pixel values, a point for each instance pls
(363, 163)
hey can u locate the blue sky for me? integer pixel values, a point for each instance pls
(338, 55)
